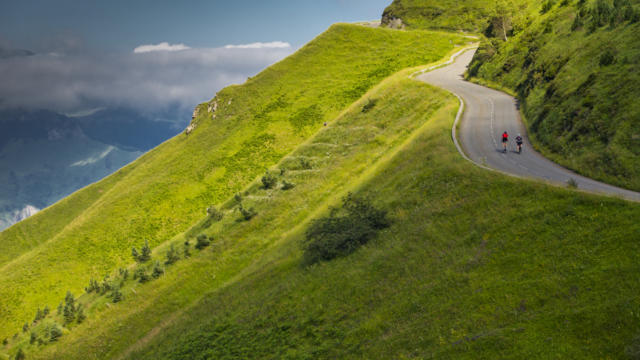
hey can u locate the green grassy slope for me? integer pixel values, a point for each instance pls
(349, 149)
(578, 81)
(475, 265)
(453, 15)
(169, 188)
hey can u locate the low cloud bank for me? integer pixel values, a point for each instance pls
(163, 46)
(151, 77)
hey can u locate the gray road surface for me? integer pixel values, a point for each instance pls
(487, 114)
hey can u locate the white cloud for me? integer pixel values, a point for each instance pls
(73, 83)
(163, 46)
(261, 45)
(94, 159)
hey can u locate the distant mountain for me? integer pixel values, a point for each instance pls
(9, 53)
(45, 156)
(129, 129)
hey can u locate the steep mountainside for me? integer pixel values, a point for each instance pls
(573, 65)
(575, 70)
(239, 134)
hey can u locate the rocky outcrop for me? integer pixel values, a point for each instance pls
(212, 107)
(391, 21)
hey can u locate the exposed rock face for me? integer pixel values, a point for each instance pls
(391, 21)
(212, 108)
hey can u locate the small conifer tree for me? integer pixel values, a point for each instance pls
(141, 275)
(157, 270)
(145, 254)
(135, 254)
(117, 295)
(39, 315)
(59, 310)
(46, 311)
(20, 355)
(55, 332)
(80, 317)
(172, 256)
(33, 337)
(187, 251)
(25, 327)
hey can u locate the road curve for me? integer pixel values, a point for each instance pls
(487, 114)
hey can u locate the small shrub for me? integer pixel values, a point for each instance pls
(55, 332)
(287, 185)
(343, 231)
(116, 295)
(105, 286)
(202, 241)
(39, 316)
(81, 316)
(214, 213)
(607, 58)
(269, 181)
(25, 327)
(93, 286)
(237, 198)
(141, 275)
(371, 103)
(546, 6)
(33, 337)
(186, 251)
(577, 23)
(124, 273)
(157, 270)
(172, 255)
(20, 355)
(46, 311)
(146, 252)
(305, 164)
(247, 214)
(5, 342)
(572, 183)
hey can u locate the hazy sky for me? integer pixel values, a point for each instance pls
(48, 25)
(146, 54)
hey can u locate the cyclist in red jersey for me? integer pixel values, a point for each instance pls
(505, 140)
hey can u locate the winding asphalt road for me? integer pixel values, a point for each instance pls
(487, 114)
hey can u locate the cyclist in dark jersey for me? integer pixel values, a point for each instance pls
(519, 143)
(505, 140)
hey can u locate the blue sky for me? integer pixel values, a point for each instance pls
(121, 25)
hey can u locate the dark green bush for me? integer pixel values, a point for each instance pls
(202, 241)
(55, 332)
(172, 255)
(157, 270)
(343, 231)
(247, 214)
(116, 295)
(214, 213)
(371, 103)
(269, 181)
(141, 275)
(607, 58)
(305, 164)
(287, 185)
